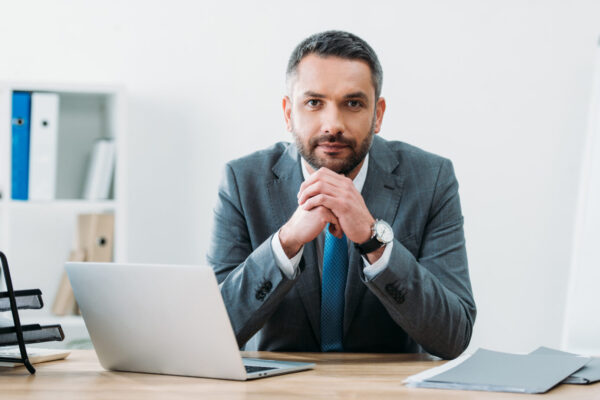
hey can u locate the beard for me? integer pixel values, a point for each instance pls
(339, 165)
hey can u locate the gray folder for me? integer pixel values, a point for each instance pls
(588, 374)
(504, 372)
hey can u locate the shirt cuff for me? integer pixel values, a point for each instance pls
(288, 266)
(372, 270)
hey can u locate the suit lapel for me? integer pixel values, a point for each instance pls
(382, 192)
(282, 193)
(309, 288)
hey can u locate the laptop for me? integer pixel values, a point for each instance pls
(163, 319)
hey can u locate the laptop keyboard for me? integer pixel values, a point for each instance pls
(255, 368)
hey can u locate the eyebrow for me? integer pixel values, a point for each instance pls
(308, 93)
(357, 95)
(354, 95)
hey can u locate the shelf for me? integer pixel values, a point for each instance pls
(84, 117)
(64, 88)
(57, 204)
(39, 235)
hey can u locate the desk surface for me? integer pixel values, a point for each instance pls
(360, 376)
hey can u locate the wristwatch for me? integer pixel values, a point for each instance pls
(382, 234)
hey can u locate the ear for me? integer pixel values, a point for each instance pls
(379, 111)
(287, 112)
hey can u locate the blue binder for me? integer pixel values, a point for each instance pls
(21, 112)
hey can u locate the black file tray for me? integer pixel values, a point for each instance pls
(18, 334)
(31, 334)
(26, 300)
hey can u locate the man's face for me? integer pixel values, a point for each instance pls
(332, 112)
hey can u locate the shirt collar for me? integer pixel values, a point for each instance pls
(359, 179)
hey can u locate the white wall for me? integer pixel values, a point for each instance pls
(582, 322)
(500, 87)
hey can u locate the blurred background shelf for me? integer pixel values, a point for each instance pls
(38, 236)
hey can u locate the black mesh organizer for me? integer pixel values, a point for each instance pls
(12, 301)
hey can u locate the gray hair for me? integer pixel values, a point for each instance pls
(339, 44)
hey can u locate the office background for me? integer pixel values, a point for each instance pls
(500, 87)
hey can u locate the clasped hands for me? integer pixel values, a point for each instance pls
(328, 198)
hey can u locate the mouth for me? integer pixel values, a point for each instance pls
(329, 147)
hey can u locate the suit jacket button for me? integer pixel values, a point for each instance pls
(260, 294)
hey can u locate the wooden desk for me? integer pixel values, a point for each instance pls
(336, 376)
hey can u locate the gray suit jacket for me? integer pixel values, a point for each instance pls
(421, 300)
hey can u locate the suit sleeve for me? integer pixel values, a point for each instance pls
(251, 283)
(430, 296)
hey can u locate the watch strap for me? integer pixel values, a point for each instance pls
(369, 246)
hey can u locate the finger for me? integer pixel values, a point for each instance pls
(319, 187)
(320, 200)
(330, 217)
(333, 186)
(324, 174)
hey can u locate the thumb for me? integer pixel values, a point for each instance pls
(336, 230)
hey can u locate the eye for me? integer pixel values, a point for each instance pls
(354, 104)
(313, 103)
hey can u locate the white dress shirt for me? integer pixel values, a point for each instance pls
(289, 266)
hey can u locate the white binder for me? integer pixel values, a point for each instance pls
(43, 146)
(100, 170)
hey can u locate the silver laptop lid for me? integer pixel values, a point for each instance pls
(167, 319)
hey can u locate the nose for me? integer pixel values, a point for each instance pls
(332, 122)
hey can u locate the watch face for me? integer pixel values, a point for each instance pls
(384, 232)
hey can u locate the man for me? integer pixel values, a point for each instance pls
(342, 241)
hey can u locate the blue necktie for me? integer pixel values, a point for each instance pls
(335, 270)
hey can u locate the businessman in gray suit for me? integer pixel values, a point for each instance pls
(342, 241)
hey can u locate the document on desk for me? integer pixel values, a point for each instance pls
(35, 355)
(590, 373)
(500, 372)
